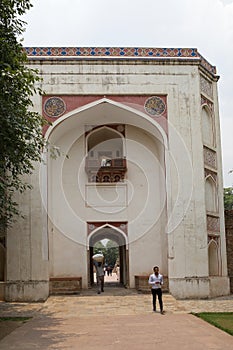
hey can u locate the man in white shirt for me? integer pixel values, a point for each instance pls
(156, 281)
(99, 266)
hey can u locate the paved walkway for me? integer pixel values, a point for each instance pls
(116, 319)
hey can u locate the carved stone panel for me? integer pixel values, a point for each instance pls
(210, 158)
(213, 224)
(206, 87)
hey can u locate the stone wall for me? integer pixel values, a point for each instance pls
(229, 244)
(65, 285)
(2, 290)
(142, 285)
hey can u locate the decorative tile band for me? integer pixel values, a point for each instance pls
(111, 52)
(121, 52)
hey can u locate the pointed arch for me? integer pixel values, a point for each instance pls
(211, 198)
(69, 133)
(114, 133)
(115, 234)
(160, 132)
(208, 130)
(213, 258)
(105, 139)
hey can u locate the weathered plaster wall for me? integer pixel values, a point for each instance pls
(179, 233)
(229, 244)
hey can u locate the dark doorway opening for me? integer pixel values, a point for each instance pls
(112, 243)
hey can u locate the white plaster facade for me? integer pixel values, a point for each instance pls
(163, 205)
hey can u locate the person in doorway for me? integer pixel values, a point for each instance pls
(118, 272)
(156, 281)
(99, 266)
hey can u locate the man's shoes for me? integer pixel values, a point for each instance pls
(102, 290)
(162, 312)
(98, 292)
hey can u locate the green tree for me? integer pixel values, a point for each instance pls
(99, 248)
(228, 198)
(110, 251)
(21, 139)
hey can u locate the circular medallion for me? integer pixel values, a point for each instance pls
(154, 105)
(54, 107)
(120, 128)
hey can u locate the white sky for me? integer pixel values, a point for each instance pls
(204, 24)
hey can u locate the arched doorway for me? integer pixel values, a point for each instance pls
(72, 199)
(108, 231)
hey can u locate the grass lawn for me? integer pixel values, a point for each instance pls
(222, 320)
(22, 319)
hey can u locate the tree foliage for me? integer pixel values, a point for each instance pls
(21, 137)
(110, 251)
(228, 198)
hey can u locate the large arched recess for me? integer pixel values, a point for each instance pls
(108, 231)
(105, 111)
(64, 133)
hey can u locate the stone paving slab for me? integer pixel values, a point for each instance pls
(98, 305)
(222, 304)
(116, 319)
(120, 303)
(140, 332)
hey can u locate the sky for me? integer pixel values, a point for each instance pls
(203, 24)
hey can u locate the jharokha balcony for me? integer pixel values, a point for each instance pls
(105, 169)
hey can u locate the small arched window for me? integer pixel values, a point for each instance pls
(213, 259)
(208, 132)
(105, 155)
(105, 142)
(211, 195)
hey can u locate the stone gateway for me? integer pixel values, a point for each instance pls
(135, 157)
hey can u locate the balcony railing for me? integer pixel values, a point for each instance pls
(106, 170)
(106, 164)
